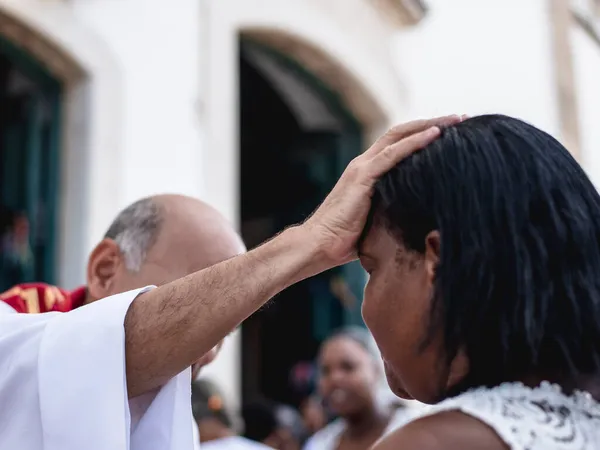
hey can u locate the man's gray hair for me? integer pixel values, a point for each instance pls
(135, 231)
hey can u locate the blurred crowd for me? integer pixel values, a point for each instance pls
(351, 406)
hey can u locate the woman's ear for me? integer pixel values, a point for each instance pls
(432, 254)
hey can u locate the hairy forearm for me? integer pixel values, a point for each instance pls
(169, 328)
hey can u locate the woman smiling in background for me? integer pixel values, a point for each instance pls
(350, 382)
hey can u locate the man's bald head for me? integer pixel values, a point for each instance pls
(157, 240)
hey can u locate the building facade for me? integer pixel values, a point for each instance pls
(245, 103)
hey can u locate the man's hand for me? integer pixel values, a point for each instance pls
(207, 359)
(337, 224)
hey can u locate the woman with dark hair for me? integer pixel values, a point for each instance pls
(352, 386)
(275, 425)
(484, 292)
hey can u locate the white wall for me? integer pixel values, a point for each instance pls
(586, 61)
(481, 56)
(157, 45)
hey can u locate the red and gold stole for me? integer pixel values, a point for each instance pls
(33, 298)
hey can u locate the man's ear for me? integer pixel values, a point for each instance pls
(103, 268)
(432, 254)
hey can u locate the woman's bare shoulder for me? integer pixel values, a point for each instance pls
(449, 430)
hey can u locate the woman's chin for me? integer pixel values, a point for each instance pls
(396, 388)
(401, 393)
(395, 384)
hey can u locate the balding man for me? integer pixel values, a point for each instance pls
(150, 243)
(142, 342)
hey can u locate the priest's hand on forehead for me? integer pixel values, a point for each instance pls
(338, 223)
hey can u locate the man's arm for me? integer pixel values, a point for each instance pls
(169, 328)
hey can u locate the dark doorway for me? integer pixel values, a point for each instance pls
(29, 165)
(296, 139)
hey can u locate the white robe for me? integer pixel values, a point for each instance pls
(63, 385)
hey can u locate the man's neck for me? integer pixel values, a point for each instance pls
(88, 298)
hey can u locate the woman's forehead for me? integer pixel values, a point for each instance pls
(376, 240)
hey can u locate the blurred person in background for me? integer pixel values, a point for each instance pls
(16, 256)
(313, 414)
(304, 376)
(196, 369)
(352, 385)
(215, 421)
(275, 425)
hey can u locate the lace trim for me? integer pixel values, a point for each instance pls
(541, 418)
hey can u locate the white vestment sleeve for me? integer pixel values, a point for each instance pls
(63, 385)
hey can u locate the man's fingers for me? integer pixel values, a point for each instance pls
(399, 132)
(393, 154)
(422, 125)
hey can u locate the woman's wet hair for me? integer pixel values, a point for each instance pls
(518, 283)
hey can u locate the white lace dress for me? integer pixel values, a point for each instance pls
(541, 418)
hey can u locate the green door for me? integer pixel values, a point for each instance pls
(337, 294)
(29, 161)
(296, 138)
(355, 277)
